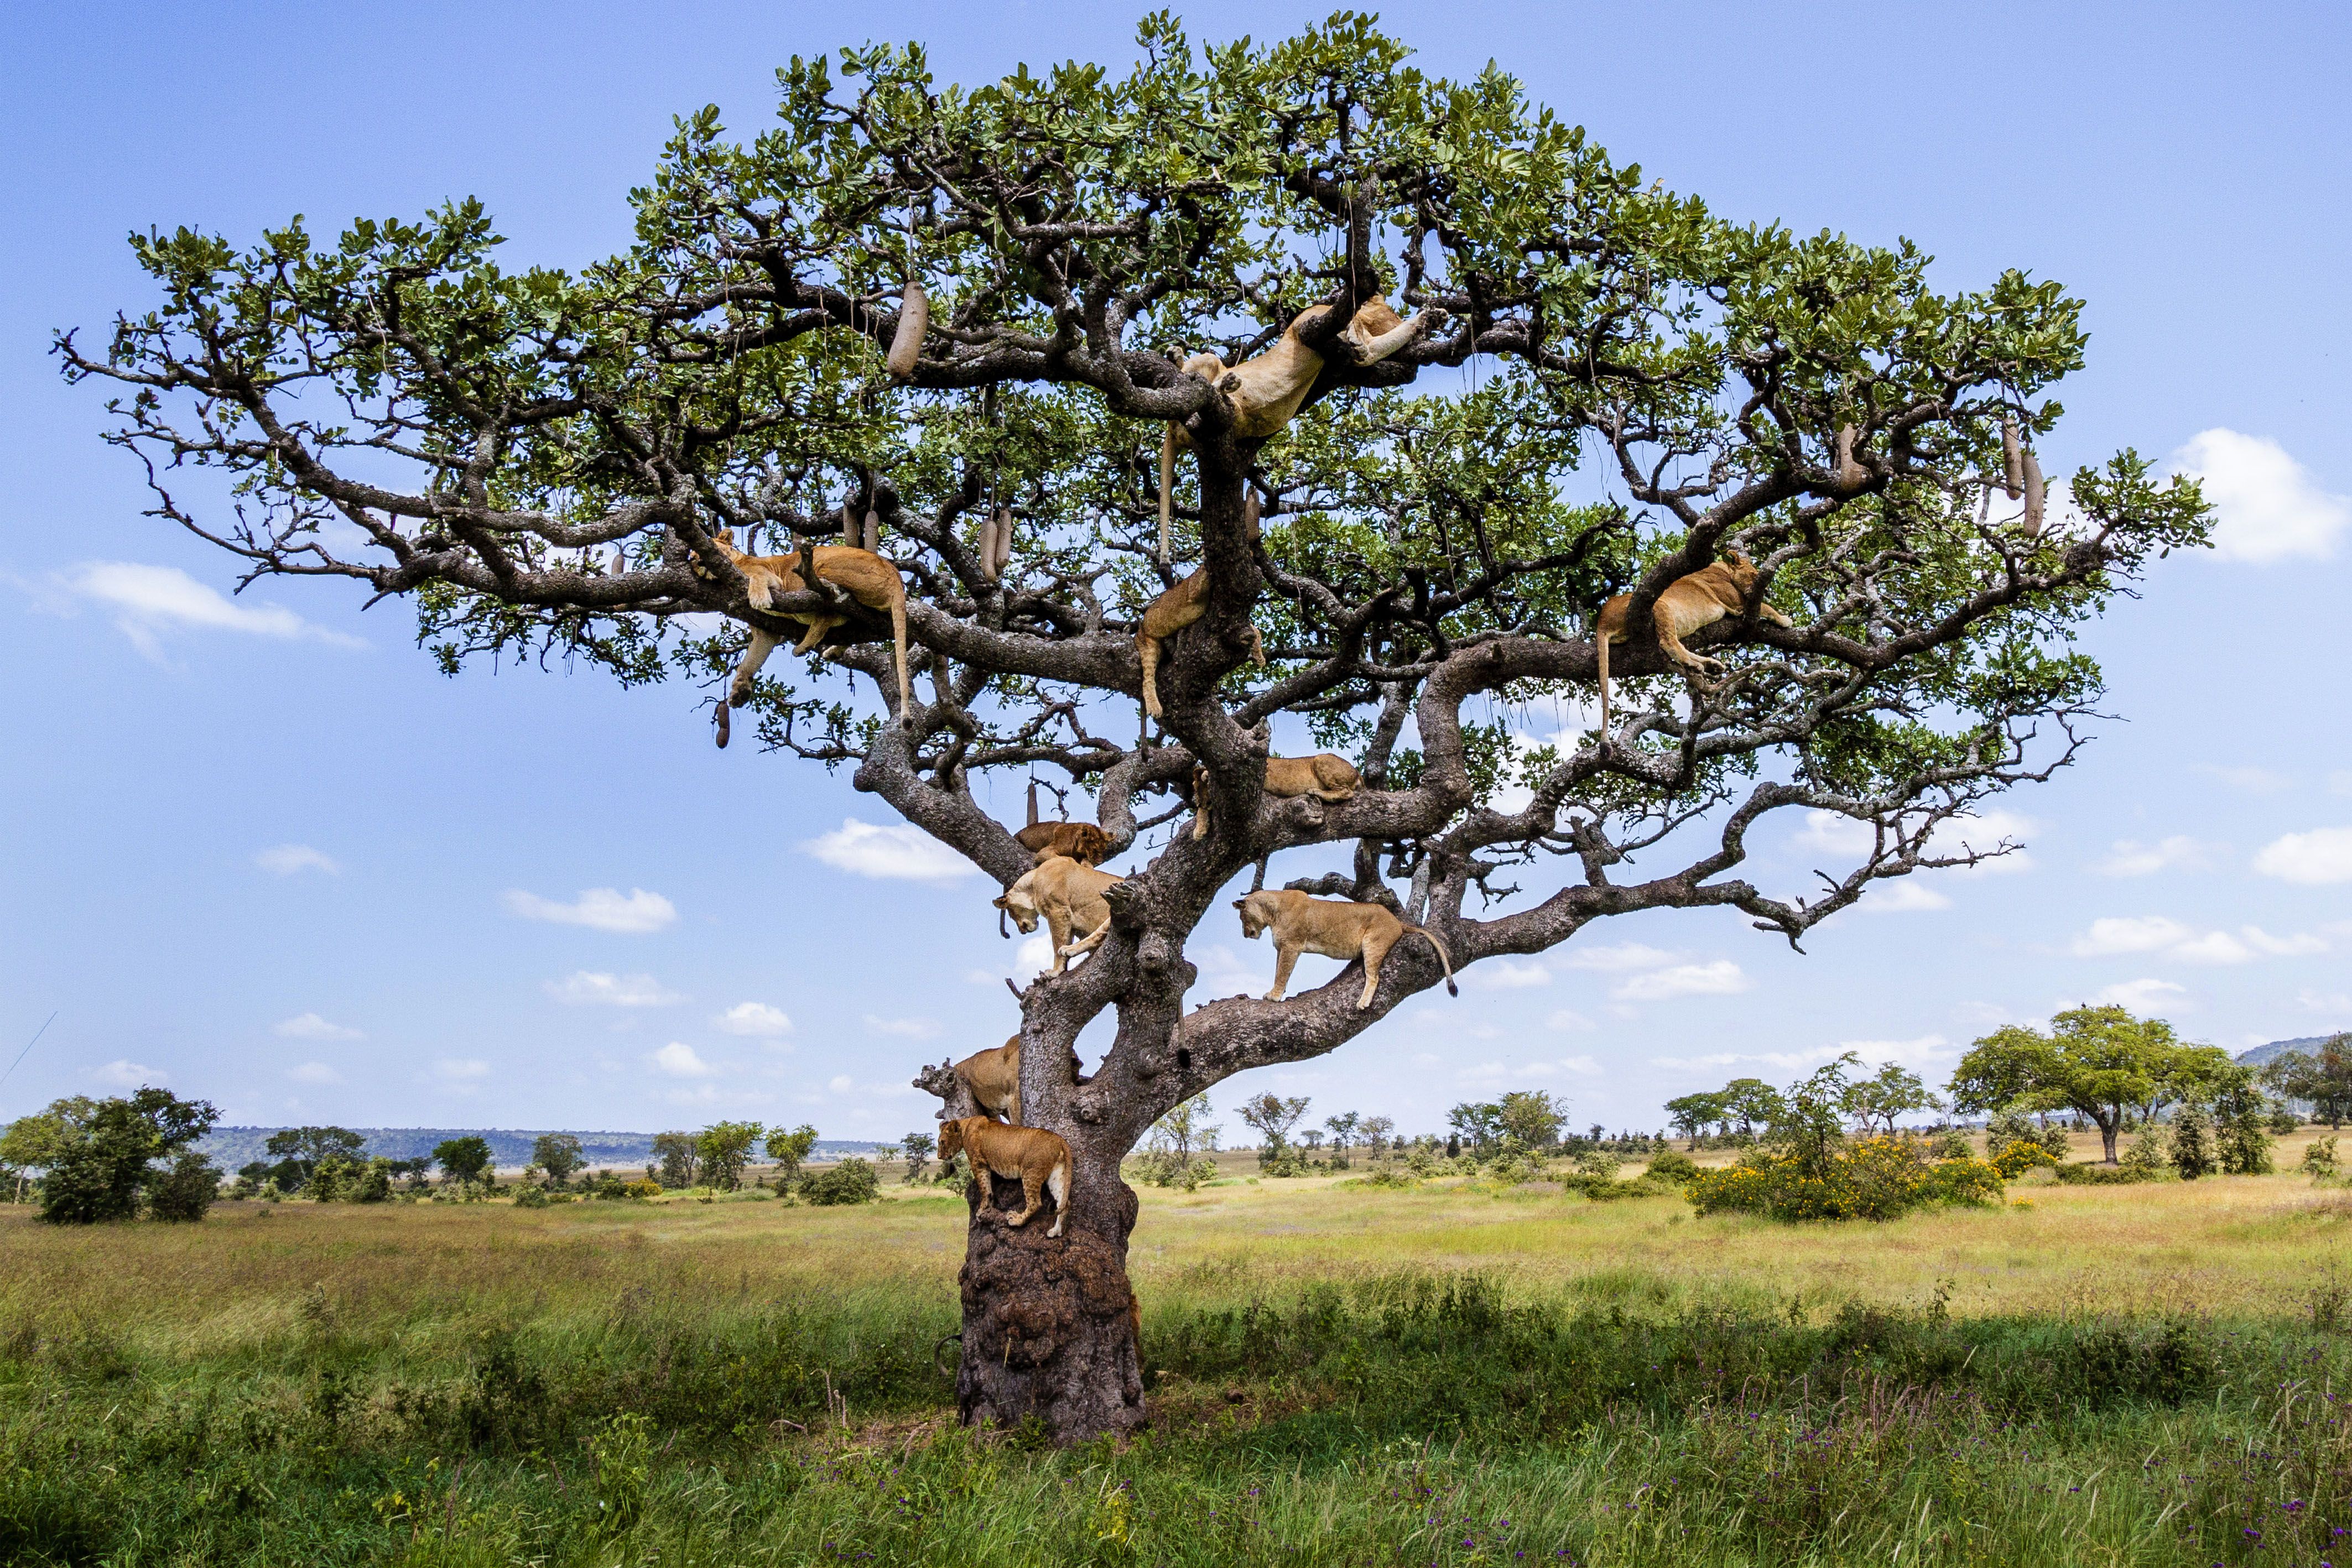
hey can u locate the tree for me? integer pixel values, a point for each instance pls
(789, 1149)
(1175, 1147)
(542, 461)
(465, 1159)
(2099, 1063)
(1693, 1114)
(1751, 1103)
(1342, 1129)
(723, 1147)
(1480, 1125)
(680, 1154)
(557, 1154)
(2241, 1138)
(2192, 1142)
(1809, 1123)
(1531, 1116)
(916, 1148)
(31, 1143)
(2323, 1078)
(1880, 1100)
(1273, 1116)
(298, 1152)
(1376, 1130)
(101, 1166)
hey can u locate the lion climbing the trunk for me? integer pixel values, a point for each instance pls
(1039, 1158)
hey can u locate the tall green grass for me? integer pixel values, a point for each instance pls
(1387, 1418)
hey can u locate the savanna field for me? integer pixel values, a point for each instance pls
(1453, 1373)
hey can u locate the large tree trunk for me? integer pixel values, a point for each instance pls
(1050, 1324)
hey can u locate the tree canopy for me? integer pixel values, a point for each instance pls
(2098, 1061)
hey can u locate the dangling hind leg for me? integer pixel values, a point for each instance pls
(1057, 1182)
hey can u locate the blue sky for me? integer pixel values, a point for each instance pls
(258, 849)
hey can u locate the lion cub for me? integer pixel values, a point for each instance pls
(1069, 898)
(1327, 778)
(866, 576)
(1702, 598)
(1334, 927)
(994, 1076)
(1039, 1158)
(1081, 841)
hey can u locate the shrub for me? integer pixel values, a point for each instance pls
(2098, 1173)
(185, 1191)
(1671, 1167)
(1385, 1178)
(2019, 1156)
(2319, 1160)
(851, 1181)
(2192, 1143)
(529, 1196)
(1876, 1179)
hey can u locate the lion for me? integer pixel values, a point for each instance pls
(1069, 898)
(1268, 391)
(1169, 615)
(1701, 599)
(868, 578)
(1080, 841)
(1327, 778)
(1039, 1158)
(994, 1076)
(1334, 927)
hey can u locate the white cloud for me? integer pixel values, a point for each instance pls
(1720, 979)
(149, 602)
(599, 908)
(678, 1059)
(2300, 945)
(757, 1020)
(2267, 507)
(2318, 857)
(1503, 975)
(314, 1073)
(2132, 858)
(2340, 781)
(1619, 957)
(1832, 832)
(1981, 833)
(842, 1084)
(2144, 995)
(2147, 934)
(311, 1026)
(1924, 1051)
(588, 987)
(2336, 1002)
(905, 1028)
(2252, 780)
(124, 1073)
(1568, 1020)
(461, 1070)
(2213, 948)
(1522, 1071)
(1224, 972)
(285, 860)
(1900, 895)
(900, 851)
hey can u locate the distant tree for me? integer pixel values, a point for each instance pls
(724, 1147)
(916, 1149)
(557, 1154)
(2241, 1112)
(296, 1151)
(851, 1181)
(1313, 1138)
(2323, 1077)
(1877, 1102)
(789, 1149)
(1532, 1116)
(1753, 1103)
(1273, 1116)
(1342, 1129)
(1810, 1122)
(102, 1166)
(680, 1154)
(463, 1159)
(1692, 1114)
(31, 1143)
(1175, 1147)
(1480, 1125)
(2192, 1142)
(1375, 1134)
(2099, 1063)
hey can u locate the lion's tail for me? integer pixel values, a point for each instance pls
(1603, 650)
(1443, 957)
(1167, 485)
(898, 646)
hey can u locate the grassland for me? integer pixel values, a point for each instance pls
(2143, 1375)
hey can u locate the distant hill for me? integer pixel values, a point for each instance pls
(2309, 1044)
(232, 1146)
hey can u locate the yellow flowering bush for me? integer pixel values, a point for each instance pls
(1873, 1178)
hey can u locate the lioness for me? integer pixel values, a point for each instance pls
(1082, 841)
(1169, 615)
(994, 1076)
(1039, 1158)
(1326, 778)
(866, 576)
(1702, 598)
(1334, 927)
(1069, 896)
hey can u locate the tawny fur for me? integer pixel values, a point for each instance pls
(866, 576)
(1266, 392)
(1335, 928)
(1082, 841)
(1327, 778)
(1702, 598)
(1169, 615)
(994, 1076)
(1039, 1158)
(1070, 898)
